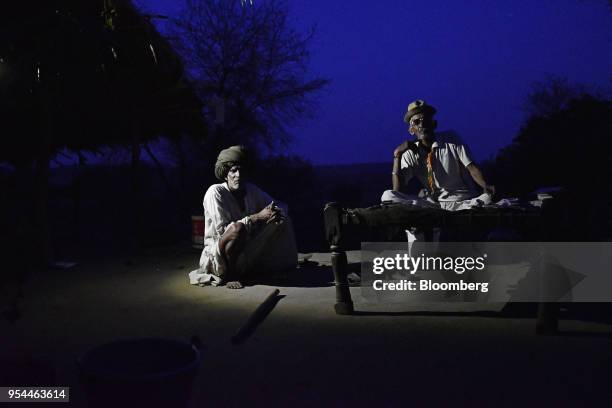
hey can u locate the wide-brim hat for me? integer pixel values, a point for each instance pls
(418, 106)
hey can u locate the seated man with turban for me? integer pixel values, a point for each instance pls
(246, 234)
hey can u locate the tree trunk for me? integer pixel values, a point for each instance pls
(77, 194)
(41, 193)
(41, 201)
(178, 194)
(160, 169)
(136, 186)
(182, 165)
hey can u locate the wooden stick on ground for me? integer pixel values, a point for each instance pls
(257, 317)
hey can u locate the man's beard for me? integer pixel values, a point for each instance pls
(425, 134)
(236, 186)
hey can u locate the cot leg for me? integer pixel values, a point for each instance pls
(548, 318)
(344, 303)
(333, 229)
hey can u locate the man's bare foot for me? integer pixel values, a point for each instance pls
(234, 285)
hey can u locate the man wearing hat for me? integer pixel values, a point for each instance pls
(246, 234)
(440, 166)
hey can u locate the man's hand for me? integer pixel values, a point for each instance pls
(270, 213)
(397, 153)
(265, 214)
(277, 216)
(479, 179)
(407, 145)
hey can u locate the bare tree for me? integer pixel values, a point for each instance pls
(249, 65)
(551, 95)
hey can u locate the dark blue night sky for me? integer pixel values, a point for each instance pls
(474, 60)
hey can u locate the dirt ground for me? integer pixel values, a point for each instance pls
(303, 353)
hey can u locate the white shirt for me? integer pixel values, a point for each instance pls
(449, 163)
(274, 248)
(222, 209)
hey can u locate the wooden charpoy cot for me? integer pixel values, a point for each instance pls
(343, 224)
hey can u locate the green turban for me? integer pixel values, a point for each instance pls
(231, 155)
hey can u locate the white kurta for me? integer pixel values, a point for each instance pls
(449, 169)
(449, 172)
(269, 248)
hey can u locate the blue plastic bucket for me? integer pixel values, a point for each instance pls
(148, 372)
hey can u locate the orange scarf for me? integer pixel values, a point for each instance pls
(430, 175)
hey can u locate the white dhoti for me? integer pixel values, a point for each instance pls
(450, 202)
(269, 248)
(272, 250)
(455, 202)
